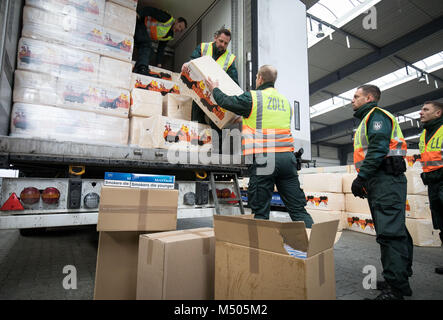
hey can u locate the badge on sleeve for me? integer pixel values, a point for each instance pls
(378, 125)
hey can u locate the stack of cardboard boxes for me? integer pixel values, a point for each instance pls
(68, 58)
(324, 197)
(418, 214)
(161, 116)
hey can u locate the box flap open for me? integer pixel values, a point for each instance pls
(261, 234)
(322, 237)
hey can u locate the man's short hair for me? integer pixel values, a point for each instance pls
(372, 90)
(436, 104)
(223, 31)
(268, 73)
(181, 19)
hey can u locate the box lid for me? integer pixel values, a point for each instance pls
(272, 235)
(179, 235)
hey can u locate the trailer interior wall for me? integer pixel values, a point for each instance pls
(282, 42)
(227, 13)
(10, 16)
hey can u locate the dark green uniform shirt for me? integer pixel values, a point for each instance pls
(431, 128)
(379, 130)
(232, 71)
(240, 105)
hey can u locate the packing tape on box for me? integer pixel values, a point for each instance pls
(321, 268)
(253, 253)
(206, 241)
(143, 200)
(136, 209)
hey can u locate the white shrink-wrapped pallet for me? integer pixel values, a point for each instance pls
(131, 4)
(177, 107)
(361, 222)
(154, 84)
(46, 122)
(92, 96)
(325, 200)
(320, 216)
(34, 88)
(417, 207)
(415, 184)
(57, 60)
(90, 10)
(356, 204)
(77, 33)
(423, 233)
(323, 182)
(193, 79)
(120, 18)
(146, 103)
(115, 73)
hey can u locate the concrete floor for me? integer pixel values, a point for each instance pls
(32, 267)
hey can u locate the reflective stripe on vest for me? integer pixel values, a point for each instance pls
(225, 60)
(432, 152)
(268, 128)
(397, 145)
(158, 30)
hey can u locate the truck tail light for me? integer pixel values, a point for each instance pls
(30, 195)
(50, 195)
(91, 200)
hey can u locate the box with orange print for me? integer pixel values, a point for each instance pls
(193, 84)
(154, 84)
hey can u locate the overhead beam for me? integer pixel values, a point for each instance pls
(379, 54)
(347, 126)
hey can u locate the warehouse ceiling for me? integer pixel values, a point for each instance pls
(408, 33)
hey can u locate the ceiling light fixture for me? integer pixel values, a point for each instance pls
(348, 42)
(320, 33)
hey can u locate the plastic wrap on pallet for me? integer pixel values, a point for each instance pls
(56, 28)
(57, 60)
(47, 122)
(91, 10)
(91, 96)
(131, 4)
(120, 18)
(39, 88)
(35, 88)
(115, 73)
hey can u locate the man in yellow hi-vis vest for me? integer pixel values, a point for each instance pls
(379, 151)
(218, 50)
(267, 117)
(431, 151)
(154, 25)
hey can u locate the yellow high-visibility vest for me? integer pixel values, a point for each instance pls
(225, 60)
(432, 152)
(158, 30)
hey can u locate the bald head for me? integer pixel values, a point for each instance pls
(266, 74)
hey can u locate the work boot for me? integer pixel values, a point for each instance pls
(388, 294)
(142, 69)
(383, 286)
(439, 270)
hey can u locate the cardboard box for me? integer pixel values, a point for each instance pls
(356, 204)
(114, 72)
(176, 265)
(418, 207)
(177, 107)
(152, 181)
(120, 18)
(117, 179)
(361, 222)
(146, 103)
(415, 184)
(116, 270)
(154, 84)
(251, 262)
(423, 233)
(134, 209)
(323, 182)
(324, 200)
(320, 216)
(193, 80)
(347, 180)
(131, 4)
(34, 88)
